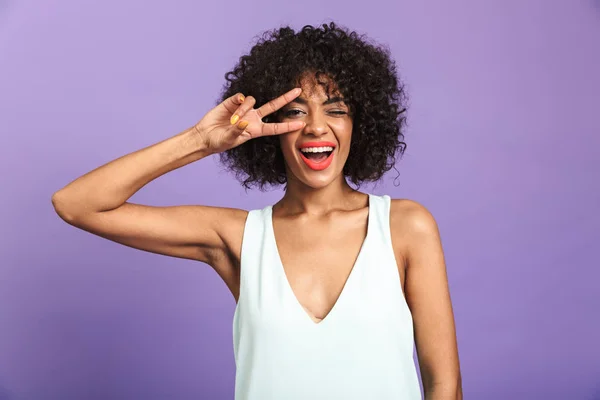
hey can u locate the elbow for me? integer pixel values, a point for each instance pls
(62, 208)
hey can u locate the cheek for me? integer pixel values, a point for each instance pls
(345, 138)
(286, 142)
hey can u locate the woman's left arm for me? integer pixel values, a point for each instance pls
(428, 297)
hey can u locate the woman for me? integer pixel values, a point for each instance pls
(333, 286)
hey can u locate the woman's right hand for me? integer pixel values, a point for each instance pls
(235, 121)
(97, 202)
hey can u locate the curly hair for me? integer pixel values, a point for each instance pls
(364, 74)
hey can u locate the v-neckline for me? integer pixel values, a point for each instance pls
(286, 282)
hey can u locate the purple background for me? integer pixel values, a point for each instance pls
(503, 144)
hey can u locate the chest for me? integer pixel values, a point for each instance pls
(318, 257)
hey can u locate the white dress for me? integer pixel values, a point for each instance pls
(363, 349)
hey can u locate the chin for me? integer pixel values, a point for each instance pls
(317, 182)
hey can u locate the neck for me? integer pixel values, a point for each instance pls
(299, 198)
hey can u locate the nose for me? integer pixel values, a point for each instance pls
(315, 125)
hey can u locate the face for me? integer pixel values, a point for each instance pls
(315, 156)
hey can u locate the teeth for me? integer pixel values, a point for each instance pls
(316, 149)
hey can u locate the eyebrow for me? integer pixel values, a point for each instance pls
(329, 101)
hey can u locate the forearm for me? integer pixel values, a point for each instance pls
(109, 186)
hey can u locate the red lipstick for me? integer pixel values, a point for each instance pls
(317, 144)
(317, 165)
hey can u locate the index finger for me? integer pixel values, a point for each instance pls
(276, 104)
(278, 128)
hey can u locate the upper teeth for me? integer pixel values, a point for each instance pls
(316, 149)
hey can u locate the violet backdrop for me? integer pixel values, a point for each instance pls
(503, 142)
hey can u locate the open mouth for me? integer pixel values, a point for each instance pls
(317, 155)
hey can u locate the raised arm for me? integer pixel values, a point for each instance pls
(97, 201)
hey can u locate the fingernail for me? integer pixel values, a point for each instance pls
(234, 119)
(297, 90)
(243, 125)
(241, 98)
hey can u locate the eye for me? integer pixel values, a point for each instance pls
(291, 113)
(339, 112)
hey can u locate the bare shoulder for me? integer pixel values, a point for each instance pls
(412, 227)
(409, 216)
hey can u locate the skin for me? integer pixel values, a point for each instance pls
(314, 201)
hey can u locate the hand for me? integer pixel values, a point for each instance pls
(235, 121)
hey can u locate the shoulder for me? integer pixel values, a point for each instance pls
(412, 225)
(410, 215)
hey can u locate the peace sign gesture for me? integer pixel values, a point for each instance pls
(235, 121)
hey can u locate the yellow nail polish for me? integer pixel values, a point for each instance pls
(241, 98)
(234, 119)
(243, 125)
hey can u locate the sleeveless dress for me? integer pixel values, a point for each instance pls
(363, 349)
